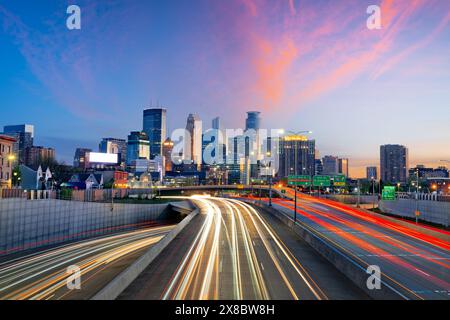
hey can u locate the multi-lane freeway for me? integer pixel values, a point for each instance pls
(231, 251)
(234, 250)
(46, 274)
(415, 264)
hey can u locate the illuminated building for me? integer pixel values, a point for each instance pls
(154, 125)
(297, 156)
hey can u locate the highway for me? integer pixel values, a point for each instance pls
(231, 252)
(415, 264)
(43, 275)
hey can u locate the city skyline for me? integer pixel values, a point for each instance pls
(378, 87)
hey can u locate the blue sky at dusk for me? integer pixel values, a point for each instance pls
(306, 65)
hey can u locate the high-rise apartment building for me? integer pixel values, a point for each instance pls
(37, 155)
(154, 125)
(394, 163)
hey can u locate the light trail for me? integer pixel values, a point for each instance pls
(227, 238)
(417, 263)
(44, 275)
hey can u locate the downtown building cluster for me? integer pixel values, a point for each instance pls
(196, 155)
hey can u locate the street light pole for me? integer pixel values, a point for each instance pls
(295, 204)
(373, 193)
(270, 191)
(359, 195)
(417, 197)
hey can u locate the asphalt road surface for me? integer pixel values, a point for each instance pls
(45, 274)
(417, 265)
(232, 251)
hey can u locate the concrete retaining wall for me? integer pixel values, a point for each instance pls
(26, 224)
(126, 277)
(430, 211)
(352, 268)
(352, 199)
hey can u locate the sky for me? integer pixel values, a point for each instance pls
(305, 64)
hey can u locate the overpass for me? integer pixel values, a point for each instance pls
(238, 188)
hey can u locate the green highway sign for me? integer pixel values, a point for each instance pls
(339, 181)
(388, 193)
(322, 181)
(304, 181)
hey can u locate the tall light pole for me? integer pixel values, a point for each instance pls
(417, 197)
(373, 192)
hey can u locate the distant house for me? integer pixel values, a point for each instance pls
(85, 181)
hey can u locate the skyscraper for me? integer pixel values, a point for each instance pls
(138, 147)
(394, 163)
(297, 156)
(217, 137)
(330, 165)
(193, 145)
(253, 120)
(154, 125)
(24, 136)
(343, 166)
(372, 173)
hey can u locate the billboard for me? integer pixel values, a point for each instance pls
(106, 158)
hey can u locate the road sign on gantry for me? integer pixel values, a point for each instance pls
(388, 193)
(322, 181)
(339, 181)
(304, 181)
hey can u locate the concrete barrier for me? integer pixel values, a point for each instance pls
(26, 224)
(352, 267)
(431, 211)
(126, 277)
(352, 199)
